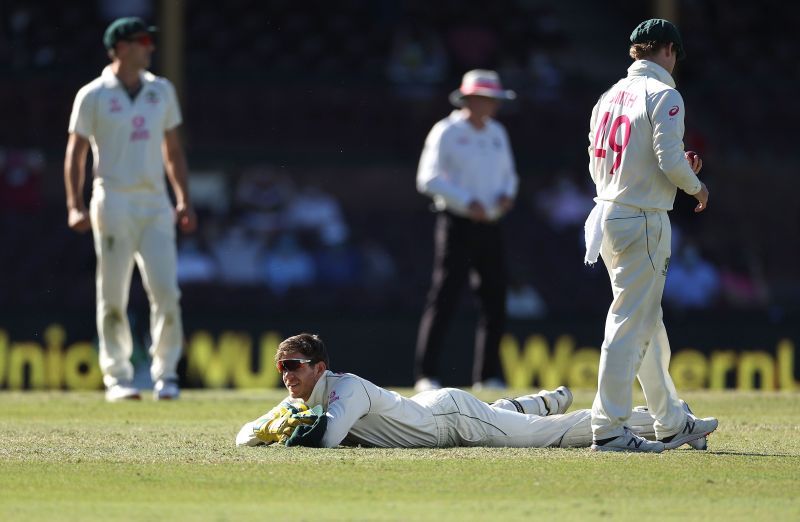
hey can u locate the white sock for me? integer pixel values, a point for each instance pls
(530, 404)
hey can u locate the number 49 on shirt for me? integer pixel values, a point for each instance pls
(603, 130)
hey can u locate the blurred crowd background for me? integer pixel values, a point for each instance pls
(303, 125)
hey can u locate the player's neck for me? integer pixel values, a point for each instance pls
(127, 75)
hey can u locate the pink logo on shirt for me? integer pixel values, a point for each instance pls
(463, 140)
(139, 132)
(674, 110)
(115, 105)
(332, 397)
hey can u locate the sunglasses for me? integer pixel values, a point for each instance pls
(291, 365)
(145, 40)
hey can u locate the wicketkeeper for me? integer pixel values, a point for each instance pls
(348, 410)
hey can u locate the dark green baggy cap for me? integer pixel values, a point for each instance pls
(123, 28)
(659, 30)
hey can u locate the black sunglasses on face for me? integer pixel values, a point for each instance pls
(291, 365)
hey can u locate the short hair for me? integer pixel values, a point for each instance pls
(640, 51)
(308, 344)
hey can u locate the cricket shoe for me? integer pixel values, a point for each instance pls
(166, 390)
(557, 401)
(695, 429)
(628, 441)
(426, 384)
(698, 444)
(122, 391)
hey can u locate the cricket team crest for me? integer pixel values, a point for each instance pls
(151, 97)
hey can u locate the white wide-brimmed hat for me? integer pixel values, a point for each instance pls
(480, 82)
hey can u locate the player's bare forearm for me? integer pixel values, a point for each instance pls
(178, 174)
(176, 166)
(74, 168)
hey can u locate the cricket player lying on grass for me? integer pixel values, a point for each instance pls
(327, 409)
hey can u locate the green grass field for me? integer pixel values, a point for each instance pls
(71, 456)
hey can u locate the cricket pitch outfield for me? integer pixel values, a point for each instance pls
(70, 456)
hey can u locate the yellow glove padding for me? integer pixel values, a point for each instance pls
(280, 422)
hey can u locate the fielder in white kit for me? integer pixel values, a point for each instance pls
(353, 411)
(130, 117)
(637, 162)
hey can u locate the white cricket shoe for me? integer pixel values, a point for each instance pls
(425, 384)
(628, 441)
(557, 401)
(122, 391)
(165, 390)
(698, 444)
(694, 429)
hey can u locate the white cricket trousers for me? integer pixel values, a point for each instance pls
(135, 227)
(635, 250)
(462, 419)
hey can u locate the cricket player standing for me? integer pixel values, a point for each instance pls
(130, 117)
(637, 162)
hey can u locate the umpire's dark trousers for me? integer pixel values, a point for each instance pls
(465, 250)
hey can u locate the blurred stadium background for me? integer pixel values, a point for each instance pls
(303, 124)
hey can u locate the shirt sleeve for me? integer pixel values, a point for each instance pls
(82, 121)
(432, 177)
(349, 401)
(173, 116)
(592, 123)
(668, 128)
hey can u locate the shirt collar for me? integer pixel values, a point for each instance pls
(319, 393)
(651, 70)
(111, 80)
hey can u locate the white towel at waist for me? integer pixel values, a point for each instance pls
(593, 230)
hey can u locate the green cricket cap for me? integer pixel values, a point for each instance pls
(123, 28)
(659, 30)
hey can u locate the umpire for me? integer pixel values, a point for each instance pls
(468, 169)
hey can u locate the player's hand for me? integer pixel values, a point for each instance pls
(695, 162)
(78, 220)
(504, 204)
(278, 425)
(186, 218)
(702, 198)
(476, 212)
(310, 435)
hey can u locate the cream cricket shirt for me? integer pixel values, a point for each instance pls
(460, 164)
(636, 141)
(361, 413)
(125, 134)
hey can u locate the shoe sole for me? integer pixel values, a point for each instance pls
(622, 450)
(568, 393)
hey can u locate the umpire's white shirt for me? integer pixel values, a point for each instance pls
(126, 135)
(460, 164)
(636, 141)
